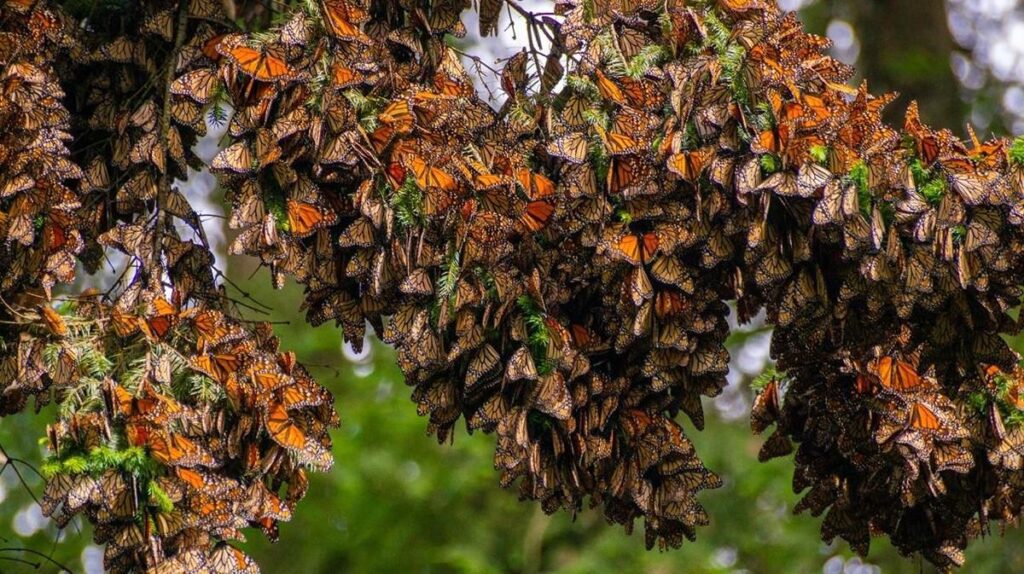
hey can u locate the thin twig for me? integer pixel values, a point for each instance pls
(62, 567)
(244, 293)
(165, 129)
(21, 478)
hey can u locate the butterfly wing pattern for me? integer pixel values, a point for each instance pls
(554, 273)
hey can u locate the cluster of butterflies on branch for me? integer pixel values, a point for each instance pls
(554, 272)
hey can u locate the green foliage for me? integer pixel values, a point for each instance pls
(522, 112)
(597, 117)
(537, 332)
(159, 498)
(582, 86)
(770, 164)
(718, 33)
(397, 502)
(768, 375)
(449, 280)
(202, 389)
(819, 153)
(217, 113)
(614, 61)
(647, 58)
(133, 460)
(860, 177)
(762, 118)
(732, 61)
(407, 204)
(487, 279)
(275, 202)
(929, 184)
(599, 159)
(1017, 151)
(367, 107)
(980, 401)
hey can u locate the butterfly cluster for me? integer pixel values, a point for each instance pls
(554, 272)
(178, 424)
(38, 199)
(176, 429)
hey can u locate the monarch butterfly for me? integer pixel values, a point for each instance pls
(485, 360)
(123, 50)
(537, 215)
(176, 450)
(283, 429)
(304, 218)
(668, 303)
(165, 317)
(124, 323)
(636, 249)
(212, 327)
(429, 177)
(237, 157)
(399, 115)
(227, 558)
(575, 111)
(766, 408)
(199, 85)
(451, 78)
(689, 165)
(553, 396)
(304, 393)
(260, 503)
(927, 143)
(972, 187)
(16, 184)
(536, 185)
(641, 94)
(258, 63)
(923, 418)
(52, 320)
(608, 89)
(343, 19)
(631, 176)
(219, 366)
(778, 444)
(265, 376)
(521, 366)
(616, 142)
(895, 374)
(343, 77)
(572, 147)
(417, 283)
(810, 178)
(513, 75)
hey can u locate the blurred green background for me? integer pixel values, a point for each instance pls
(396, 501)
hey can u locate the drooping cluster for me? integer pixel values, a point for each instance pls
(176, 429)
(38, 201)
(399, 199)
(178, 425)
(554, 272)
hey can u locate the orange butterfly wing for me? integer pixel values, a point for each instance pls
(261, 66)
(283, 429)
(650, 246)
(921, 417)
(608, 88)
(537, 215)
(629, 245)
(305, 218)
(343, 19)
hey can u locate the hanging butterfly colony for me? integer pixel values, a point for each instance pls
(553, 272)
